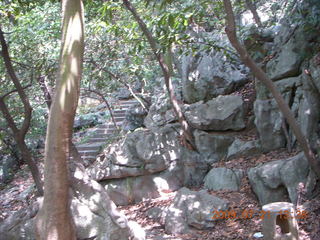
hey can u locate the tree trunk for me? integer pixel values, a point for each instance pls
(252, 7)
(19, 133)
(54, 220)
(45, 91)
(187, 138)
(261, 75)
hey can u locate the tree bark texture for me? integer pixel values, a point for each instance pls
(54, 220)
(19, 133)
(261, 76)
(187, 138)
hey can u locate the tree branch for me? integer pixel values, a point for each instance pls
(261, 75)
(187, 135)
(27, 108)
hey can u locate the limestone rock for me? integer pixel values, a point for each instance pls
(212, 147)
(241, 148)
(221, 113)
(189, 170)
(272, 181)
(269, 122)
(140, 153)
(223, 179)
(207, 75)
(160, 113)
(134, 118)
(191, 208)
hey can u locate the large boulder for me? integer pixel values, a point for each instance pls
(240, 148)
(212, 147)
(134, 117)
(123, 94)
(206, 75)
(160, 113)
(223, 179)
(192, 209)
(221, 113)
(272, 181)
(302, 97)
(294, 43)
(89, 120)
(187, 171)
(268, 121)
(141, 152)
(7, 168)
(146, 163)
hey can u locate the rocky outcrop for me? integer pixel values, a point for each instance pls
(219, 114)
(223, 179)
(89, 120)
(295, 77)
(160, 113)
(272, 181)
(192, 209)
(240, 148)
(268, 121)
(140, 153)
(212, 147)
(207, 75)
(134, 117)
(146, 163)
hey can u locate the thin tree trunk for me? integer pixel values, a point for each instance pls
(45, 90)
(19, 133)
(261, 75)
(107, 103)
(54, 220)
(187, 138)
(252, 7)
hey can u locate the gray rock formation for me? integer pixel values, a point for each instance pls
(223, 179)
(212, 147)
(123, 94)
(269, 124)
(221, 113)
(89, 120)
(134, 118)
(207, 75)
(140, 153)
(8, 166)
(146, 163)
(272, 181)
(160, 113)
(192, 209)
(241, 148)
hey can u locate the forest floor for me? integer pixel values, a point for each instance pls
(21, 192)
(239, 228)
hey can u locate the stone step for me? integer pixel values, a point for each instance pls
(88, 153)
(98, 140)
(119, 119)
(109, 125)
(101, 135)
(128, 101)
(119, 115)
(119, 111)
(89, 146)
(105, 131)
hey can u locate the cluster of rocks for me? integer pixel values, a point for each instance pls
(150, 160)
